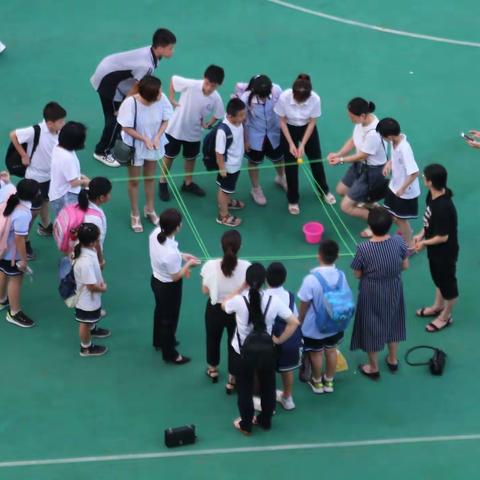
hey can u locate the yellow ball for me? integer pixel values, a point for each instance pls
(299, 160)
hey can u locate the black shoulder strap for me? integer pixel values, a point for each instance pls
(292, 301)
(419, 347)
(134, 119)
(36, 138)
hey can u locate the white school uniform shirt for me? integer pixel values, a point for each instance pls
(283, 295)
(86, 270)
(39, 168)
(65, 168)
(116, 74)
(6, 189)
(237, 148)
(149, 120)
(369, 141)
(237, 305)
(194, 107)
(165, 258)
(99, 221)
(220, 286)
(404, 165)
(298, 114)
(20, 222)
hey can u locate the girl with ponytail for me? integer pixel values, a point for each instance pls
(166, 283)
(15, 222)
(365, 174)
(220, 278)
(299, 109)
(262, 132)
(254, 308)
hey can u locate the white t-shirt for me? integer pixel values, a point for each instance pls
(149, 120)
(99, 221)
(220, 286)
(298, 114)
(65, 168)
(39, 168)
(282, 294)
(403, 165)
(6, 189)
(87, 272)
(20, 220)
(237, 148)
(165, 258)
(237, 305)
(369, 141)
(194, 107)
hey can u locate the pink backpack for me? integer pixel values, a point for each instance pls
(66, 226)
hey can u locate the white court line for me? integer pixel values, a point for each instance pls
(226, 451)
(377, 28)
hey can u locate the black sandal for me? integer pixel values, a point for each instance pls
(421, 312)
(370, 375)
(393, 367)
(212, 374)
(436, 329)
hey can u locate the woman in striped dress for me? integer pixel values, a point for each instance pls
(380, 316)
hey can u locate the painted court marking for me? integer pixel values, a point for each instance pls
(226, 451)
(376, 28)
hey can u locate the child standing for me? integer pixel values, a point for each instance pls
(229, 161)
(288, 356)
(262, 132)
(315, 342)
(90, 286)
(66, 177)
(198, 101)
(401, 199)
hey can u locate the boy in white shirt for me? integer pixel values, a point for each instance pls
(38, 160)
(199, 100)
(229, 161)
(401, 199)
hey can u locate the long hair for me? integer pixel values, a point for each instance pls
(170, 220)
(27, 190)
(87, 234)
(255, 278)
(231, 243)
(98, 187)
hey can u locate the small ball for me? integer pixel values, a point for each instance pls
(299, 161)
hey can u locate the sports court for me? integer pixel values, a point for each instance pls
(65, 417)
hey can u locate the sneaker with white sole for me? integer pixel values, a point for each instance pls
(281, 181)
(258, 196)
(328, 385)
(5, 304)
(19, 319)
(330, 199)
(317, 387)
(93, 351)
(98, 332)
(108, 159)
(286, 402)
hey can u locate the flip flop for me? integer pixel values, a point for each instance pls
(433, 313)
(438, 329)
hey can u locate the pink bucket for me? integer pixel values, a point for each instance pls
(313, 232)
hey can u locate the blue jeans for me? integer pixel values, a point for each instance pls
(59, 203)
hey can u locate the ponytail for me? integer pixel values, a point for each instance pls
(231, 243)
(359, 106)
(12, 203)
(98, 187)
(83, 200)
(27, 190)
(161, 237)
(255, 278)
(77, 250)
(170, 220)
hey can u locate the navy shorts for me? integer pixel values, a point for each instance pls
(42, 196)
(319, 345)
(228, 184)
(88, 317)
(403, 208)
(8, 269)
(173, 147)
(257, 156)
(289, 353)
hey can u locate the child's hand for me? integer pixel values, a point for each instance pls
(275, 340)
(25, 160)
(103, 287)
(148, 143)
(193, 262)
(5, 176)
(156, 143)
(293, 150)
(223, 173)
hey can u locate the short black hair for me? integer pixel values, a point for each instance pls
(437, 174)
(234, 106)
(379, 220)
(52, 112)
(163, 37)
(328, 251)
(214, 74)
(387, 127)
(72, 136)
(276, 274)
(149, 88)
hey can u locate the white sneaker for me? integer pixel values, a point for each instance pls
(108, 160)
(281, 181)
(257, 404)
(286, 402)
(2, 47)
(317, 387)
(330, 199)
(258, 196)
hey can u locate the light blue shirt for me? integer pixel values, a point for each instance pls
(262, 121)
(311, 291)
(20, 221)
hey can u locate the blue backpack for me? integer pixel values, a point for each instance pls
(337, 307)
(208, 148)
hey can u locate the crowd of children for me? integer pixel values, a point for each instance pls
(266, 332)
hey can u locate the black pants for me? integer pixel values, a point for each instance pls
(245, 378)
(168, 298)
(216, 321)
(111, 129)
(313, 152)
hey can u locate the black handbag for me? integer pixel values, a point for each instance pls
(176, 437)
(125, 154)
(436, 363)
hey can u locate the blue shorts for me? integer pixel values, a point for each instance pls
(289, 354)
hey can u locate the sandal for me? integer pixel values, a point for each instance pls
(435, 329)
(136, 224)
(212, 374)
(236, 204)
(433, 313)
(370, 375)
(236, 424)
(293, 209)
(393, 367)
(152, 216)
(367, 233)
(229, 221)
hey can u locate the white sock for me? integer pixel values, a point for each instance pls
(86, 345)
